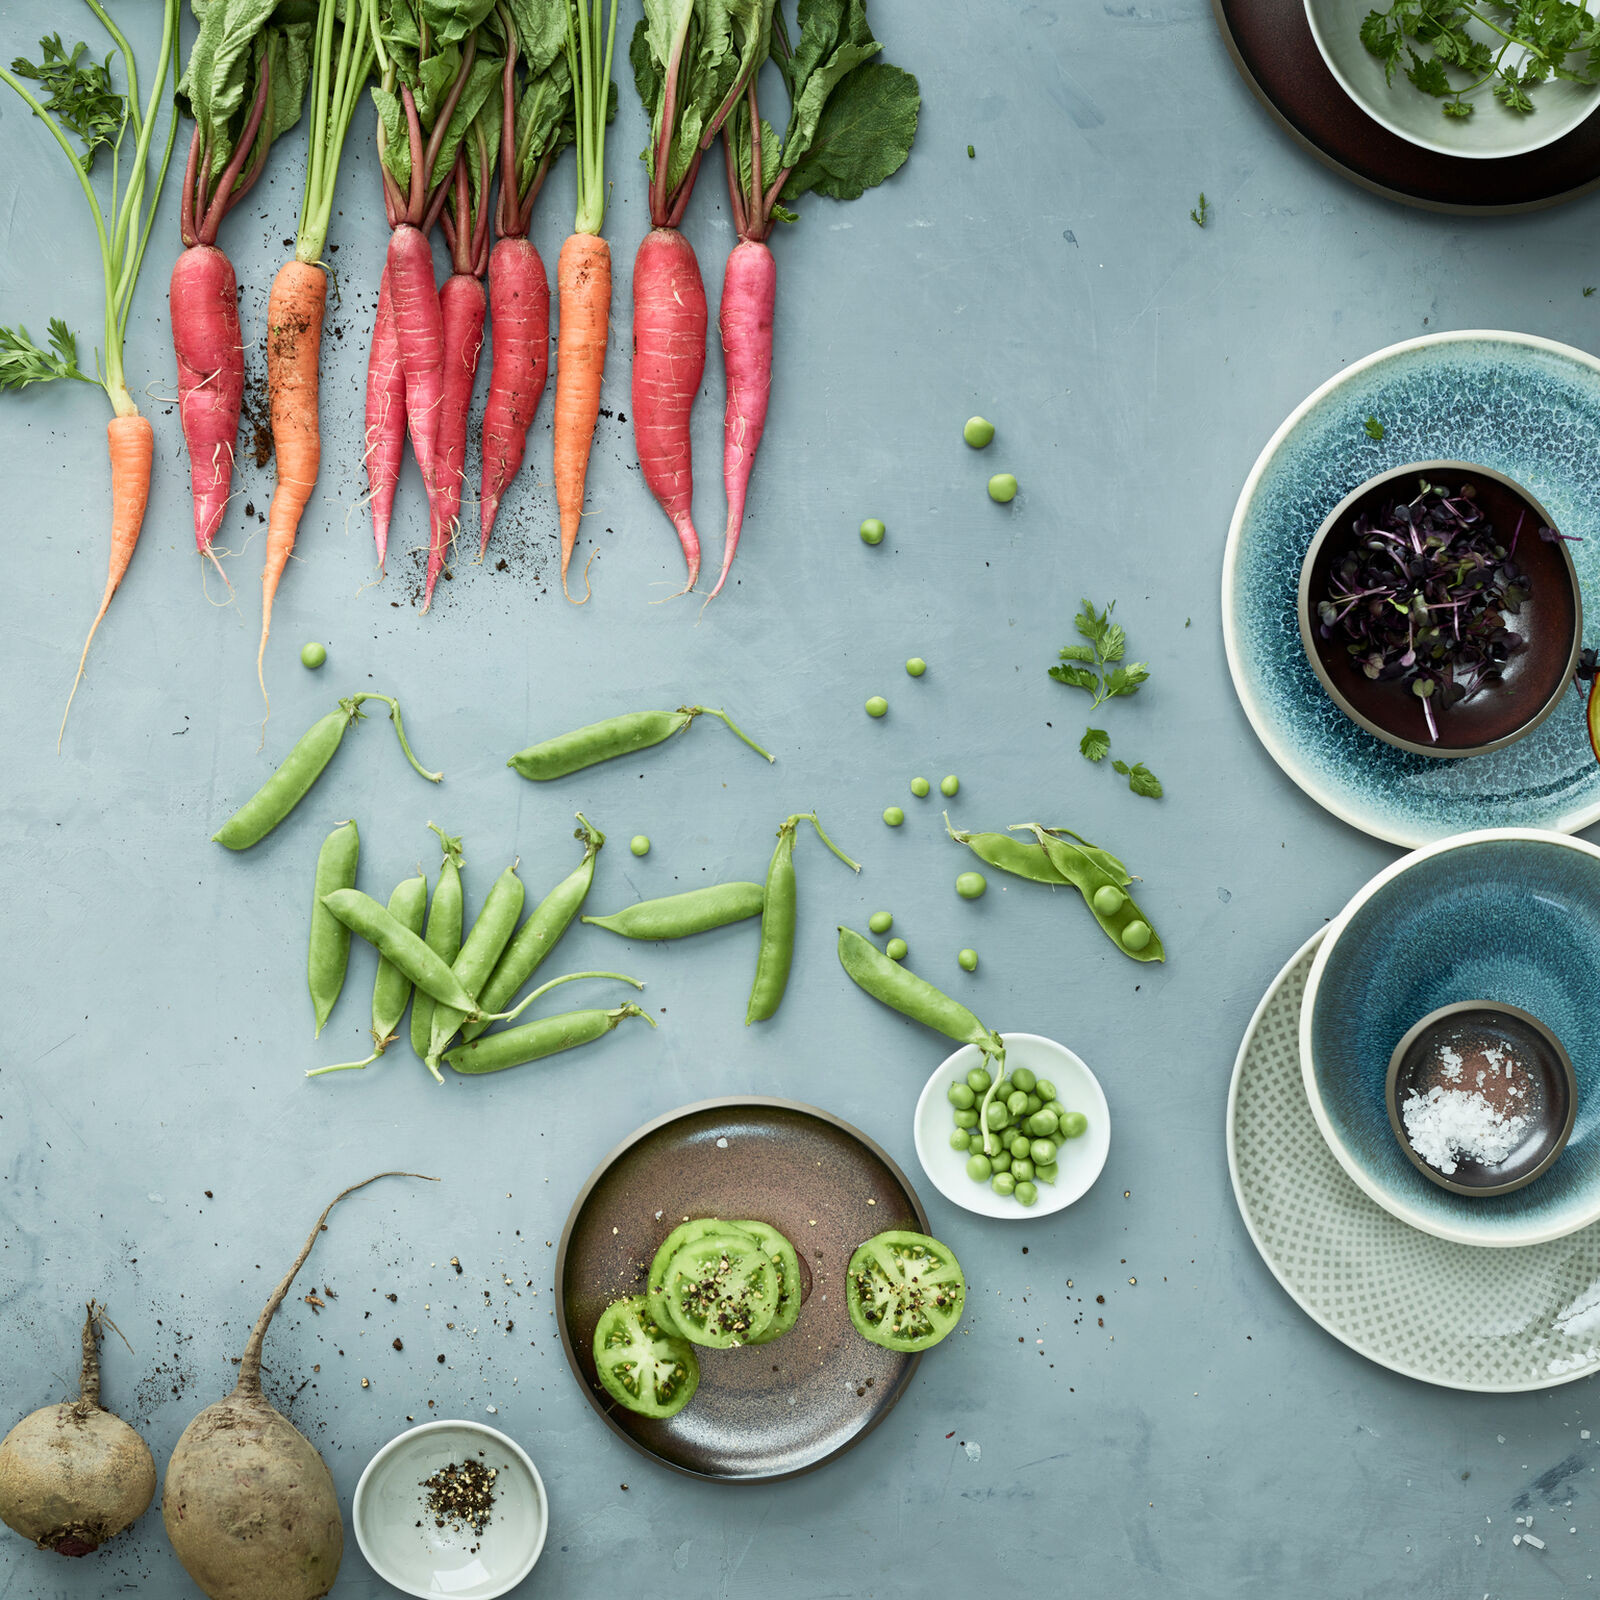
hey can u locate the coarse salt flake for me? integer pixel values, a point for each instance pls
(1534, 1540)
(1447, 1125)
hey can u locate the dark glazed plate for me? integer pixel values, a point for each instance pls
(1551, 620)
(766, 1411)
(1271, 44)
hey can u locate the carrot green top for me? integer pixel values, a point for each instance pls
(341, 58)
(79, 100)
(589, 58)
(539, 124)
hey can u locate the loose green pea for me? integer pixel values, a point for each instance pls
(894, 816)
(1045, 1090)
(313, 655)
(960, 1095)
(959, 1140)
(996, 1117)
(895, 949)
(920, 787)
(1034, 1104)
(1073, 1125)
(1046, 1174)
(1023, 1079)
(1136, 935)
(965, 1119)
(971, 885)
(916, 666)
(1003, 1183)
(967, 960)
(1027, 1195)
(877, 706)
(1108, 899)
(1001, 1161)
(978, 1079)
(1017, 1144)
(949, 786)
(1021, 1168)
(1003, 487)
(872, 531)
(978, 1168)
(979, 430)
(881, 921)
(1043, 1152)
(1043, 1123)
(639, 844)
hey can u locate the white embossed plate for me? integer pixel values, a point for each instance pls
(1463, 1316)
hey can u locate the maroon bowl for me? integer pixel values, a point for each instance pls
(1551, 622)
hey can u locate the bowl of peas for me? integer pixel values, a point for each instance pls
(1048, 1127)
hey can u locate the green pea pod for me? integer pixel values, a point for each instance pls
(679, 915)
(533, 1041)
(301, 768)
(391, 989)
(483, 948)
(616, 736)
(1103, 859)
(1088, 877)
(538, 936)
(360, 913)
(443, 935)
(778, 907)
(1009, 854)
(328, 953)
(897, 987)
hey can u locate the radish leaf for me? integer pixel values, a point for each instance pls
(863, 135)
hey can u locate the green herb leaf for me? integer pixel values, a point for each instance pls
(22, 361)
(1374, 429)
(1125, 680)
(1095, 744)
(1140, 779)
(1090, 623)
(1201, 211)
(77, 94)
(1078, 652)
(1428, 74)
(1077, 677)
(1112, 643)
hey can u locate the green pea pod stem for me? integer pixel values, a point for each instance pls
(533, 1041)
(301, 768)
(679, 915)
(555, 983)
(1087, 876)
(778, 910)
(903, 991)
(616, 736)
(482, 948)
(443, 935)
(328, 951)
(538, 936)
(391, 989)
(424, 966)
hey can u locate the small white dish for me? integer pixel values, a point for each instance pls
(1490, 133)
(1080, 1160)
(399, 1539)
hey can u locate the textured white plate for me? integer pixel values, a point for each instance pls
(1463, 1316)
(1080, 1159)
(399, 1539)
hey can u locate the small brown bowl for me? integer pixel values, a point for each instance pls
(1551, 621)
(1548, 1098)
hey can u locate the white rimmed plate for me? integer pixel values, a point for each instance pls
(1462, 1316)
(1080, 1160)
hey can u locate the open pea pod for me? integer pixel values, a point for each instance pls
(1024, 860)
(1114, 909)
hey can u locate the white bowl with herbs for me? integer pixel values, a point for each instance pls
(1496, 80)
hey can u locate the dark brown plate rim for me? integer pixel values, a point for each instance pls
(725, 1103)
(1371, 185)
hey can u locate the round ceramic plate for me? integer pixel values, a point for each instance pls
(765, 1411)
(1462, 1316)
(1524, 406)
(1272, 46)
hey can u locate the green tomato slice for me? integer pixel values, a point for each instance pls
(641, 1366)
(723, 1289)
(782, 1255)
(655, 1291)
(905, 1291)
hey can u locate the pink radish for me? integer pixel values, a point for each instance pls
(749, 291)
(519, 308)
(464, 308)
(419, 337)
(386, 418)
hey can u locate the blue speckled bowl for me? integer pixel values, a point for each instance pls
(1510, 914)
(1523, 406)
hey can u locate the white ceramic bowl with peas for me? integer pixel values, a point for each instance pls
(1054, 1105)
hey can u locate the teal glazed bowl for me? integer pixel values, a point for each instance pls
(1510, 916)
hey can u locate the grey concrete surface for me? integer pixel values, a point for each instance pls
(160, 1148)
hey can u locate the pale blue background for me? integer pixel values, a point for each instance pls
(1209, 1441)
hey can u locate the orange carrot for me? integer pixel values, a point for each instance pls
(583, 271)
(294, 348)
(132, 443)
(583, 282)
